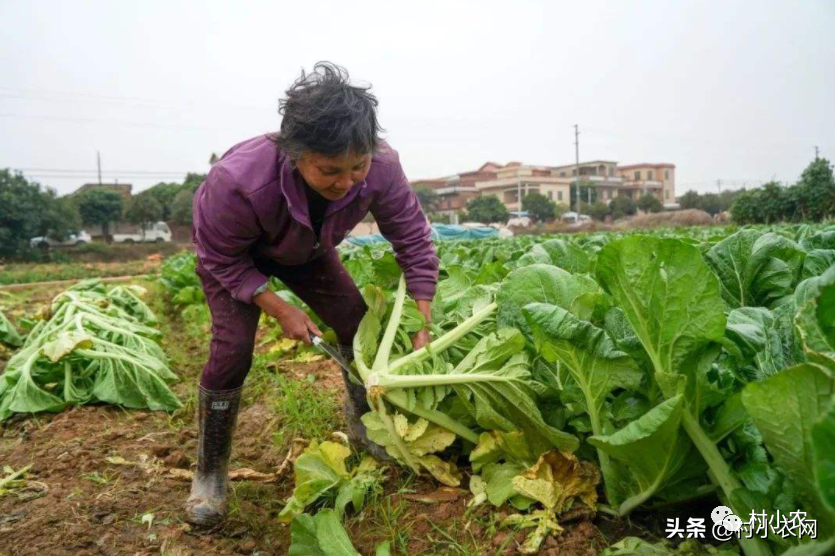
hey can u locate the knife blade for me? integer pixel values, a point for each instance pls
(332, 352)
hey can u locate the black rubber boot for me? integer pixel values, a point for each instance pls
(218, 411)
(356, 405)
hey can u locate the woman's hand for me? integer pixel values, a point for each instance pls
(422, 337)
(295, 324)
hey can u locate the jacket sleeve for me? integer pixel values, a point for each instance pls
(401, 220)
(225, 229)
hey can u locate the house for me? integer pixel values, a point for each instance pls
(658, 179)
(455, 191)
(515, 179)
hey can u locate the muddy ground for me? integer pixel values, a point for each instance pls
(106, 481)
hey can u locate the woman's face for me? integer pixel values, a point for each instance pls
(333, 176)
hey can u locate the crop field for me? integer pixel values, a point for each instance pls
(583, 395)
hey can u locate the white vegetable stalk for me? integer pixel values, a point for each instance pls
(384, 384)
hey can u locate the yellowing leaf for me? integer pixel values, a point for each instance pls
(66, 343)
(556, 479)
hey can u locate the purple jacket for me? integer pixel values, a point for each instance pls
(253, 205)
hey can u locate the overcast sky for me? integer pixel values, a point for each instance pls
(738, 91)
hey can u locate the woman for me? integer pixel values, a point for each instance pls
(278, 206)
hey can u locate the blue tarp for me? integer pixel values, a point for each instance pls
(439, 231)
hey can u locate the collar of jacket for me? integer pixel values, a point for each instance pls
(293, 187)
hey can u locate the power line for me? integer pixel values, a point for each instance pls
(87, 171)
(67, 96)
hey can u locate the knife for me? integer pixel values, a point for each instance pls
(332, 352)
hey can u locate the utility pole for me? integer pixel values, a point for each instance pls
(98, 161)
(577, 160)
(719, 186)
(816, 152)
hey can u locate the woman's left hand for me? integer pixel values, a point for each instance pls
(422, 337)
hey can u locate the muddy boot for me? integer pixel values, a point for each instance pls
(218, 410)
(356, 405)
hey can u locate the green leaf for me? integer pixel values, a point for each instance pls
(543, 284)
(8, 333)
(785, 408)
(756, 332)
(586, 351)
(650, 450)
(815, 318)
(669, 297)
(320, 535)
(756, 269)
(633, 546)
(568, 256)
(817, 262)
(823, 442)
(304, 540)
(499, 481)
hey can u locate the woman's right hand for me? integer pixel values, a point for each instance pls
(295, 324)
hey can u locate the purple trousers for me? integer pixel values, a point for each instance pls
(322, 283)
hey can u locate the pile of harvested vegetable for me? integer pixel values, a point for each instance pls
(94, 346)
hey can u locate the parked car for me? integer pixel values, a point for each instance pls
(572, 217)
(157, 232)
(77, 238)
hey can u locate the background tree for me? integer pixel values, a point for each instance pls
(622, 206)
(726, 199)
(143, 209)
(710, 203)
(599, 210)
(817, 186)
(690, 200)
(650, 203)
(745, 208)
(163, 193)
(193, 181)
(27, 211)
(61, 217)
(428, 198)
(487, 209)
(101, 207)
(181, 207)
(540, 207)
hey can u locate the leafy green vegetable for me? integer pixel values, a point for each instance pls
(8, 333)
(633, 546)
(321, 471)
(672, 301)
(492, 383)
(320, 535)
(595, 365)
(756, 269)
(96, 347)
(651, 450)
(785, 408)
(179, 276)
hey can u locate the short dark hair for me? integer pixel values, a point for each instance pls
(322, 112)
